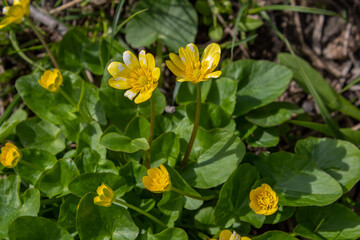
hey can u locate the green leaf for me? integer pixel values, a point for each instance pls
(90, 138)
(187, 92)
(164, 20)
(13, 205)
(211, 116)
(138, 127)
(216, 33)
(91, 53)
(89, 182)
(117, 142)
(205, 220)
(250, 24)
(275, 235)
(35, 228)
(36, 133)
(331, 98)
(8, 127)
(133, 172)
(67, 215)
(331, 222)
(55, 181)
(259, 83)
(273, 114)
(40, 159)
(168, 234)
(213, 150)
(90, 161)
(164, 148)
(234, 195)
(297, 180)
(70, 50)
(338, 158)
(97, 222)
(282, 214)
(264, 137)
(223, 93)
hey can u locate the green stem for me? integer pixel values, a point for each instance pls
(15, 45)
(9, 109)
(72, 102)
(196, 125)
(31, 165)
(139, 210)
(159, 59)
(151, 135)
(192, 195)
(43, 42)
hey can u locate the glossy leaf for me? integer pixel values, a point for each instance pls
(118, 142)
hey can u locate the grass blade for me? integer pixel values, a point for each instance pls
(294, 9)
(238, 18)
(350, 84)
(128, 19)
(319, 102)
(115, 23)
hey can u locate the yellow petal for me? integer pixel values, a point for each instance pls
(261, 211)
(213, 75)
(131, 93)
(174, 69)
(150, 61)
(99, 190)
(245, 238)
(131, 60)
(143, 96)
(147, 181)
(183, 79)
(143, 60)
(119, 83)
(185, 57)
(177, 61)
(271, 211)
(155, 74)
(5, 10)
(117, 69)
(253, 205)
(193, 52)
(225, 235)
(6, 21)
(210, 51)
(152, 172)
(209, 66)
(164, 170)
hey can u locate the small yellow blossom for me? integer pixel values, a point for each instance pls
(187, 66)
(10, 155)
(228, 235)
(158, 180)
(106, 196)
(51, 80)
(15, 13)
(264, 200)
(137, 75)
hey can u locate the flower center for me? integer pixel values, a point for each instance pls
(143, 80)
(265, 200)
(196, 73)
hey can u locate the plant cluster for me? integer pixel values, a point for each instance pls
(85, 162)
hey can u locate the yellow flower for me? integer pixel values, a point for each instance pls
(10, 155)
(158, 180)
(187, 67)
(106, 196)
(51, 81)
(137, 75)
(228, 235)
(264, 200)
(15, 13)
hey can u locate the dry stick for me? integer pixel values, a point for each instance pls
(64, 6)
(38, 34)
(196, 125)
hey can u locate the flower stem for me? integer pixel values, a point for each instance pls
(71, 101)
(151, 135)
(196, 125)
(9, 109)
(38, 34)
(139, 210)
(192, 195)
(32, 165)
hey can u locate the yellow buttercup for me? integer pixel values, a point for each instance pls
(188, 67)
(158, 180)
(140, 76)
(264, 200)
(15, 13)
(51, 80)
(105, 196)
(10, 155)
